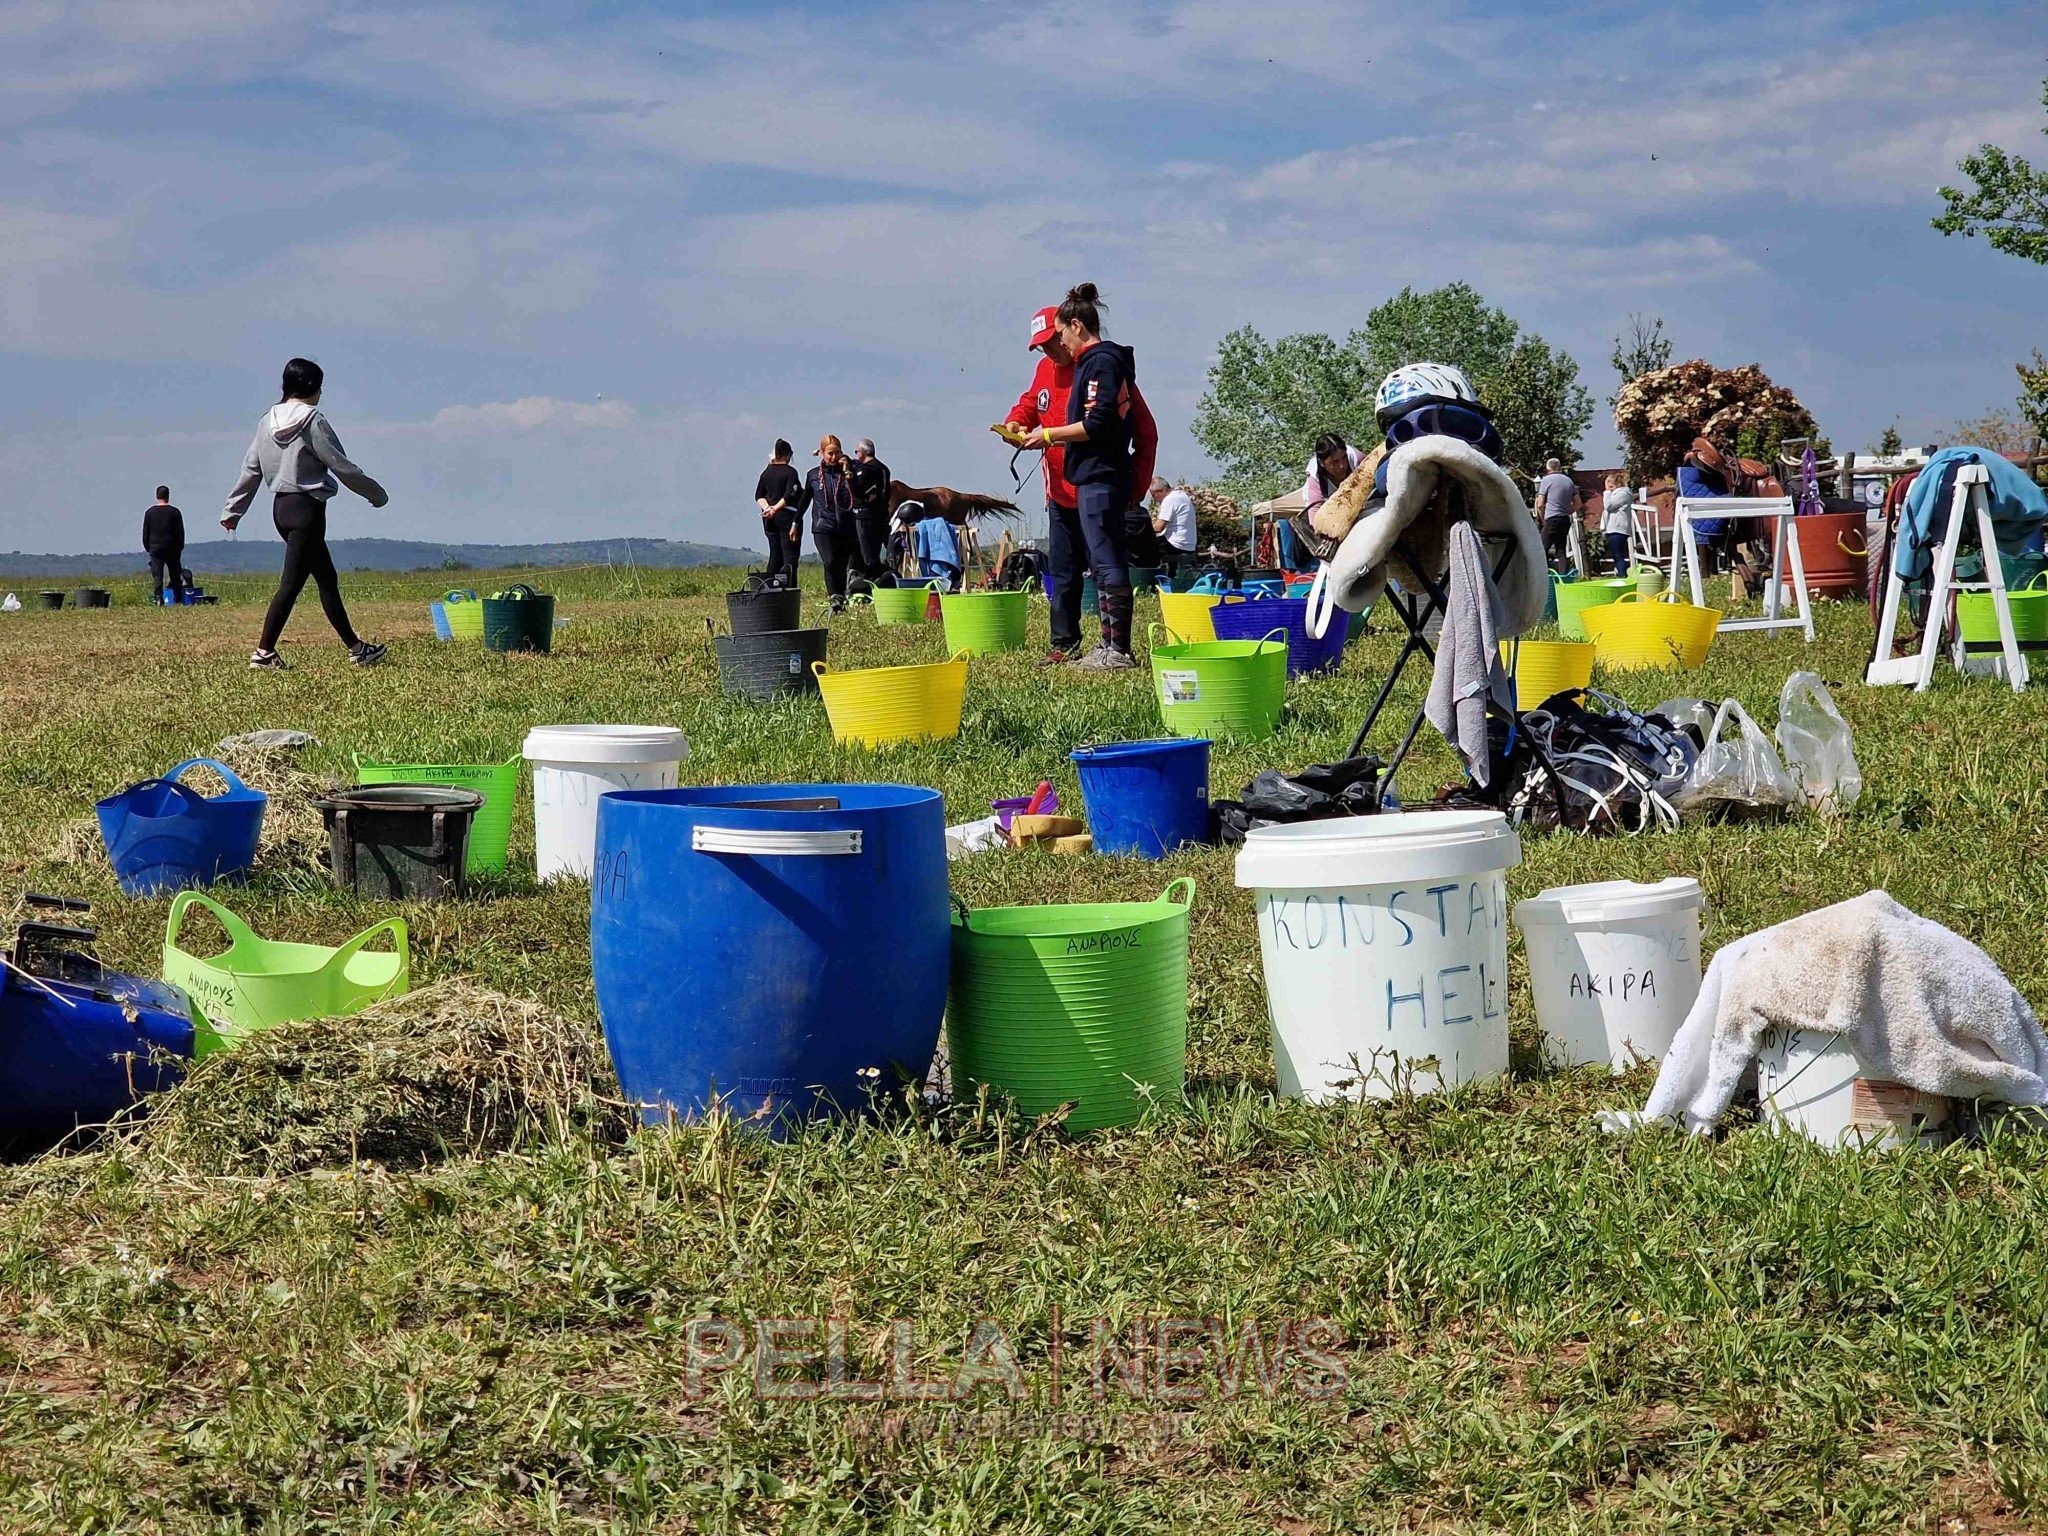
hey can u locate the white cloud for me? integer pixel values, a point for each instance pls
(530, 414)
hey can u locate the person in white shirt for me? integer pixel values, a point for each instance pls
(1614, 521)
(1173, 521)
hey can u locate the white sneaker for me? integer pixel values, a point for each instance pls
(1106, 658)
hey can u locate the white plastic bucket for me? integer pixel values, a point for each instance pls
(1809, 1081)
(1385, 940)
(572, 766)
(1614, 967)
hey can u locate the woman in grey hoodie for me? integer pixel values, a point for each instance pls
(298, 456)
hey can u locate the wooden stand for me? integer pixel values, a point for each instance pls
(1685, 556)
(1972, 494)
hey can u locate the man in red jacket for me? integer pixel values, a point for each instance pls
(1045, 404)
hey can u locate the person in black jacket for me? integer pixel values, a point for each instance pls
(830, 498)
(780, 496)
(1097, 435)
(870, 508)
(163, 540)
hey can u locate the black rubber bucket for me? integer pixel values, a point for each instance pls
(767, 666)
(92, 597)
(50, 600)
(519, 619)
(776, 610)
(400, 842)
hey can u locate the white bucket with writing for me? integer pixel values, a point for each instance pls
(572, 766)
(1809, 1081)
(1385, 941)
(1614, 967)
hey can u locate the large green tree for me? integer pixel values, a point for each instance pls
(1267, 402)
(2007, 202)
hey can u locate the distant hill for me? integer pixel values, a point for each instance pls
(257, 556)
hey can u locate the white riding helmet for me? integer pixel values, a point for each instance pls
(1417, 384)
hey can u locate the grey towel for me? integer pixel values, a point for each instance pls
(1468, 669)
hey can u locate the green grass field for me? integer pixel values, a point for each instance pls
(1531, 1327)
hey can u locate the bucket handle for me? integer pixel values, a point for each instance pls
(1186, 886)
(458, 595)
(2039, 577)
(228, 775)
(1266, 639)
(238, 931)
(819, 669)
(1155, 629)
(1841, 543)
(400, 944)
(775, 842)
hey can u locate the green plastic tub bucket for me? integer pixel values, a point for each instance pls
(461, 614)
(1084, 1005)
(257, 983)
(1219, 687)
(1977, 617)
(1575, 597)
(982, 623)
(902, 605)
(490, 832)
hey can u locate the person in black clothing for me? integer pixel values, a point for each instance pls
(870, 508)
(163, 540)
(830, 497)
(1097, 435)
(779, 494)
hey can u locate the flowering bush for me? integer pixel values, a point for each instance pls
(1739, 409)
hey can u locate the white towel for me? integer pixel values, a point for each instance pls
(1468, 670)
(1918, 1004)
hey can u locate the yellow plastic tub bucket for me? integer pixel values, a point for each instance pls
(1186, 614)
(880, 706)
(1633, 636)
(1547, 667)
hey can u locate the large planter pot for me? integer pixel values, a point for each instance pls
(1835, 553)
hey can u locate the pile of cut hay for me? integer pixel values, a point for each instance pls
(453, 1071)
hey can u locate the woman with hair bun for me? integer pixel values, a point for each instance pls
(1097, 437)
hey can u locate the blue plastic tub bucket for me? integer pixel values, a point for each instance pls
(1253, 618)
(1145, 798)
(163, 836)
(778, 951)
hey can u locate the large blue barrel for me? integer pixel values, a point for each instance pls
(74, 1054)
(164, 836)
(780, 950)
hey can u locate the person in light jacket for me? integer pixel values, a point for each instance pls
(297, 455)
(1615, 507)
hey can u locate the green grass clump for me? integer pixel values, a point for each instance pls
(411, 1272)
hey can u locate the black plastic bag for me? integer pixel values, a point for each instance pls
(1319, 792)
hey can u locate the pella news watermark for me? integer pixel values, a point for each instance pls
(1163, 1360)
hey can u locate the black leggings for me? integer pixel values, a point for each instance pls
(836, 550)
(302, 524)
(164, 565)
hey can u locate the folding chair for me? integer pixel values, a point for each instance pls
(1415, 611)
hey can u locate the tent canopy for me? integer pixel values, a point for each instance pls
(1279, 506)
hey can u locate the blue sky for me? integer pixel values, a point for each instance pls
(571, 269)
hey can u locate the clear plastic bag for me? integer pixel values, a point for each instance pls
(1737, 779)
(1818, 746)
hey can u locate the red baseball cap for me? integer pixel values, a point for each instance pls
(1042, 326)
